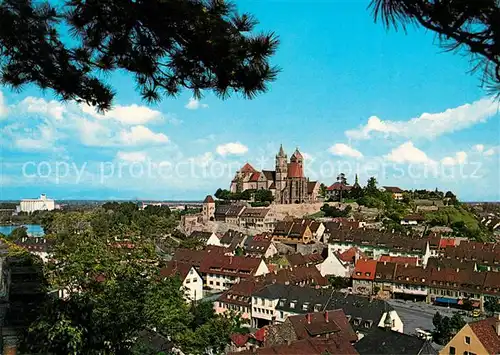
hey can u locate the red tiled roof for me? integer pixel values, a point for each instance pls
(176, 268)
(414, 217)
(295, 170)
(311, 346)
(303, 260)
(399, 259)
(487, 335)
(339, 186)
(208, 199)
(255, 176)
(446, 242)
(393, 189)
(238, 266)
(295, 276)
(319, 323)
(247, 168)
(239, 339)
(260, 334)
(350, 254)
(365, 269)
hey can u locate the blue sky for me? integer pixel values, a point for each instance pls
(351, 95)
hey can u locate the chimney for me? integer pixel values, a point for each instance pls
(497, 323)
(231, 259)
(326, 317)
(308, 318)
(288, 342)
(458, 269)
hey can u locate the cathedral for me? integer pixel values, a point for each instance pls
(287, 182)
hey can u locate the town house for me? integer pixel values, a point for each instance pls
(192, 282)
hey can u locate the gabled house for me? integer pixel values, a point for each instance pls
(294, 232)
(396, 192)
(363, 276)
(222, 271)
(386, 341)
(257, 217)
(192, 281)
(207, 238)
(480, 337)
(260, 246)
(275, 303)
(313, 346)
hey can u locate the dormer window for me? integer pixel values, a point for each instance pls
(357, 321)
(292, 304)
(305, 306)
(368, 324)
(367, 274)
(317, 307)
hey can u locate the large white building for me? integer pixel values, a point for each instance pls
(37, 204)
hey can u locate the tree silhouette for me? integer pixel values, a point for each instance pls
(473, 26)
(167, 45)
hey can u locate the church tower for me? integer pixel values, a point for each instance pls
(281, 173)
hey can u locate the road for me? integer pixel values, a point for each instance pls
(419, 315)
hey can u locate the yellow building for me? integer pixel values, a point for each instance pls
(476, 338)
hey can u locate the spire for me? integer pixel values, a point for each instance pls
(356, 179)
(281, 152)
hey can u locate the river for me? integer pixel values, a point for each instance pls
(34, 230)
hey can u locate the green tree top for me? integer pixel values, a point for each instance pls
(167, 45)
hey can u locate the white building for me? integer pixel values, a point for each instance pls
(37, 204)
(192, 282)
(332, 265)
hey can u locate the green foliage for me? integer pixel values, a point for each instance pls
(339, 282)
(463, 222)
(445, 328)
(239, 251)
(330, 211)
(263, 196)
(205, 46)
(491, 305)
(322, 190)
(106, 261)
(18, 233)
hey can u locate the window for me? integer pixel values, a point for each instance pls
(217, 283)
(262, 302)
(452, 350)
(467, 340)
(282, 315)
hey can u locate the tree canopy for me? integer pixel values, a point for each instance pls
(106, 262)
(471, 26)
(167, 45)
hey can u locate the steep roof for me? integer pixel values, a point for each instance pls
(311, 185)
(314, 346)
(295, 170)
(410, 260)
(338, 186)
(319, 323)
(393, 189)
(294, 276)
(176, 268)
(382, 341)
(269, 174)
(308, 299)
(302, 260)
(365, 269)
(486, 332)
(208, 199)
(247, 168)
(216, 263)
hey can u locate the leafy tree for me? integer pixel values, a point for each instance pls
(491, 305)
(263, 196)
(331, 211)
(472, 26)
(445, 327)
(167, 45)
(239, 251)
(18, 233)
(371, 188)
(322, 190)
(339, 282)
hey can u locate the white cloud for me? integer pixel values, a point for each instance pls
(307, 156)
(478, 148)
(43, 139)
(3, 106)
(489, 152)
(194, 104)
(408, 153)
(51, 109)
(344, 150)
(203, 160)
(458, 159)
(131, 156)
(429, 125)
(130, 115)
(235, 148)
(138, 135)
